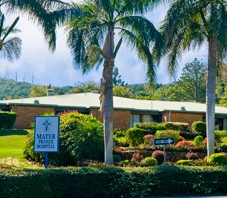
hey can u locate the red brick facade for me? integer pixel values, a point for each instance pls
(182, 117)
(26, 114)
(121, 118)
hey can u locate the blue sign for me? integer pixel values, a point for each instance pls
(46, 134)
(163, 141)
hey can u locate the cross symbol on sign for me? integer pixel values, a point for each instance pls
(46, 125)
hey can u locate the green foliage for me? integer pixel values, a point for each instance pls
(121, 91)
(7, 120)
(149, 161)
(85, 87)
(81, 137)
(38, 91)
(218, 159)
(168, 134)
(135, 136)
(185, 162)
(117, 81)
(120, 138)
(199, 126)
(102, 181)
(116, 158)
(198, 140)
(150, 127)
(179, 126)
(220, 134)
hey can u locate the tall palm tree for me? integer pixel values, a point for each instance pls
(10, 47)
(91, 28)
(190, 23)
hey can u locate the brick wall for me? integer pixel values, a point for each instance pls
(121, 118)
(26, 114)
(182, 117)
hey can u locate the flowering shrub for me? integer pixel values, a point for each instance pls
(66, 112)
(159, 156)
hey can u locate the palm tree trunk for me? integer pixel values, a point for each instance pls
(210, 95)
(107, 95)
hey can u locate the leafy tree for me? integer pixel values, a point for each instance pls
(10, 47)
(85, 87)
(117, 78)
(121, 91)
(189, 24)
(38, 91)
(92, 24)
(193, 81)
(171, 92)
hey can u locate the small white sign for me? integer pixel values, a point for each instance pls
(46, 134)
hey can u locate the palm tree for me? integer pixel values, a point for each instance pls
(10, 47)
(190, 23)
(91, 28)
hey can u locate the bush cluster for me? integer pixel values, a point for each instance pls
(81, 137)
(177, 126)
(7, 120)
(114, 182)
(150, 127)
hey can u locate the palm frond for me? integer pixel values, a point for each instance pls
(142, 50)
(11, 49)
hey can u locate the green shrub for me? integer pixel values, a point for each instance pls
(105, 181)
(81, 137)
(220, 134)
(116, 158)
(150, 127)
(177, 126)
(120, 138)
(199, 126)
(218, 159)
(168, 134)
(135, 136)
(149, 161)
(185, 162)
(7, 119)
(198, 140)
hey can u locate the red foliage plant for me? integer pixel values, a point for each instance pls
(180, 138)
(192, 156)
(159, 156)
(184, 143)
(137, 156)
(66, 112)
(149, 140)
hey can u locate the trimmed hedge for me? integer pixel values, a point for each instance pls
(114, 182)
(7, 119)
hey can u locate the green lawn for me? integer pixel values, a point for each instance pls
(11, 149)
(12, 143)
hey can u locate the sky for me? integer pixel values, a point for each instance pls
(38, 65)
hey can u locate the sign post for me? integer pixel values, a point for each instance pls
(46, 135)
(164, 142)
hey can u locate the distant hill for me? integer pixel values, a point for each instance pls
(11, 89)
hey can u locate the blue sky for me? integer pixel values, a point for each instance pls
(57, 69)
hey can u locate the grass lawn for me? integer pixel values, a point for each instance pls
(11, 148)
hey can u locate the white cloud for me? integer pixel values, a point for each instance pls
(57, 69)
